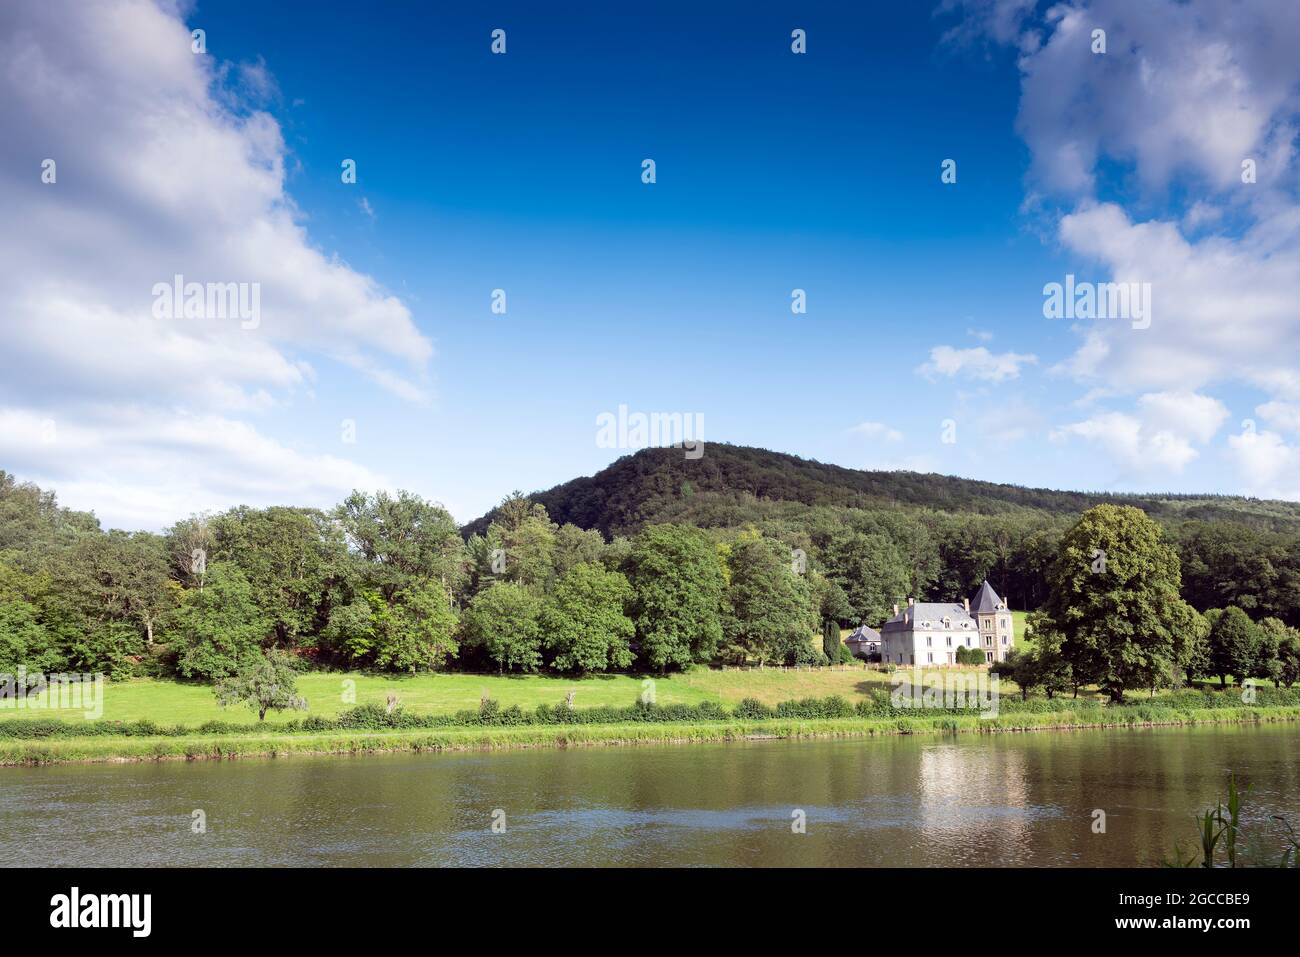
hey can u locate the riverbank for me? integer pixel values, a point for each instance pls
(112, 748)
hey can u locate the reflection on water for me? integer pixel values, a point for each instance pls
(1013, 799)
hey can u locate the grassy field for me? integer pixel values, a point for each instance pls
(173, 702)
(1018, 625)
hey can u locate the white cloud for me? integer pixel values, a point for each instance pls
(1281, 415)
(1186, 92)
(1001, 20)
(1199, 417)
(1267, 465)
(1183, 88)
(977, 363)
(877, 430)
(166, 164)
(179, 463)
(1221, 309)
(1161, 436)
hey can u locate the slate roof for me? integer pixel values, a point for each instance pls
(863, 633)
(986, 599)
(931, 611)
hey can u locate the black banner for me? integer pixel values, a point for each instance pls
(343, 905)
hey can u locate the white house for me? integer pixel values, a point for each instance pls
(864, 641)
(929, 633)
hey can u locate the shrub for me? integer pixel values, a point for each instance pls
(752, 709)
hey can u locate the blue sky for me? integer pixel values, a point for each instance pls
(775, 171)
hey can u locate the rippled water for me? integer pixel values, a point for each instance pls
(1013, 799)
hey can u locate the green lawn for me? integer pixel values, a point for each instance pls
(172, 702)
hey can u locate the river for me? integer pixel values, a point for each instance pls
(1002, 800)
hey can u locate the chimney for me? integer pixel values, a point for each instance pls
(966, 602)
(909, 603)
(895, 608)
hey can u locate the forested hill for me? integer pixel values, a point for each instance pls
(732, 484)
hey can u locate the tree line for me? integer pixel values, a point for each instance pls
(1116, 618)
(390, 582)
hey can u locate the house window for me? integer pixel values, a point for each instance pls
(911, 659)
(988, 656)
(929, 642)
(988, 639)
(929, 658)
(950, 641)
(1004, 639)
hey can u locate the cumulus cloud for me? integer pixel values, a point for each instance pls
(1268, 467)
(1160, 436)
(1222, 309)
(1139, 156)
(978, 363)
(1184, 88)
(166, 164)
(1281, 415)
(182, 463)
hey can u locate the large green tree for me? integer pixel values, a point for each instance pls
(771, 613)
(577, 546)
(1238, 647)
(523, 541)
(220, 627)
(1115, 601)
(504, 622)
(403, 539)
(417, 630)
(870, 571)
(292, 558)
(677, 592)
(584, 626)
(1288, 658)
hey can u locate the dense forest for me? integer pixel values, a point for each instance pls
(656, 562)
(934, 537)
(729, 484)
